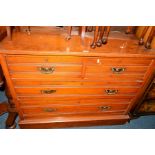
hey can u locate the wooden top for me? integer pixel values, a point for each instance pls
(56, 44)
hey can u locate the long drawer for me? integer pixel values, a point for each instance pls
(49, 82)
(70, 101)
(73, 109)
(77, 76)
(113, 91)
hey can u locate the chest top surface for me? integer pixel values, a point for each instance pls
(56, 44)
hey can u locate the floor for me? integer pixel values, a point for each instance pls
(143, 122)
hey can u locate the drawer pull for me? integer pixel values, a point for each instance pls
(46, 70)
(48, 91)
(118, 69)
(104, 108)
(111, 91)
(49, 110)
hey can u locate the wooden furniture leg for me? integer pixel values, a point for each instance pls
(141, 40)
(69, 30)
(106, 34)
(93, 45)
(89, 28)
(83, 30)
(101, 33)
(8, 107)
(8, 30)
(1, 80)
(10, 122)
(128, 30)
(28, 30)
(150, 38)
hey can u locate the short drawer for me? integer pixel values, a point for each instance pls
(63, 109)
(56, 76)
(13, 59)
(45, 72)
(114, 77)
(114, 91)
(116, 69)
(45, 68)
(117, 61)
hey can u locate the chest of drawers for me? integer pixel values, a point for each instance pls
(60, 91)
(60, 88)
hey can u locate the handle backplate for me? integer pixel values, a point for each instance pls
(111, 91)
(118, 70)
(48, 91)
(104, 108)
(46, 70)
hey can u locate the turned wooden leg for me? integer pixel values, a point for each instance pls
(101, 33)
(69, 29)
(93, 45)
(106, 34)
(2, 87)
(83, 30)
(150, 38)
(10, 122)
(128, 30)
(141, 40)
(89, 28)
(28, 30)
(8, 30)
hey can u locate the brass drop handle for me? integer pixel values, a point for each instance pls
(111, 91)
(46, 70)
(48, 91)
(49, 109)
(104, 108)
(118, 69)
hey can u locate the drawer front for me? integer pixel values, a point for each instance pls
(54, 77)
(74, 76)
(114, 91)
(63, 109)
(116, 69)
(71, 97)
(45, 68)
(44, 59)
(112, 77)
(117, 61)
(49, 82)
(70, 101)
